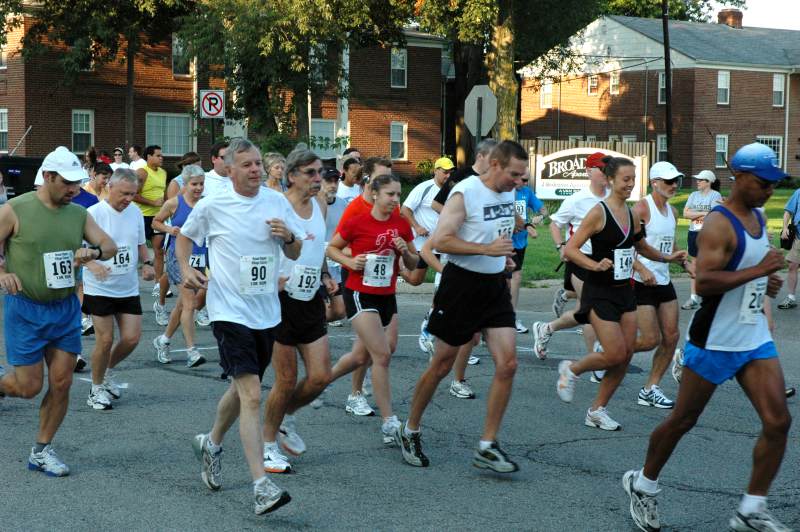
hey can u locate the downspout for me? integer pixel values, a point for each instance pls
(646, 80)
(787, 99)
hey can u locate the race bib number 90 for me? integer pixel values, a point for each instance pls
(58, 269)
(378, 270)
(623, 264)
(256, 274)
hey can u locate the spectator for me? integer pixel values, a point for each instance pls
(118, 161)
(275, 165)
(791, 215)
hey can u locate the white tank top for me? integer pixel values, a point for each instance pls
(660, 232)
(304, 273)
(489, 214)
(735, 321)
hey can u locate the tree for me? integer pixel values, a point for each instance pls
(696, 10)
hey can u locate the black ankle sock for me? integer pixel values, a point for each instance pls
(39, 447)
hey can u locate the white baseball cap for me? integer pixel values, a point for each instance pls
(64, 163)
(706, 175)
(664, 170)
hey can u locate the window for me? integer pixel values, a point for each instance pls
(661, 146)
(613, 138)
(543, 137)
(546, 95)
(774, 142)
(82, 130)
(613, 84)
(575, 138)
(628, 138)
(723, 87)
(591, 138)
(662, 87)
(778, 81)
(721, 151)
(3, 58)
(399, 140)
(593, 83)
(3, 130)
(399, 61)
(323, 137)
(181, 62)
(173, 132)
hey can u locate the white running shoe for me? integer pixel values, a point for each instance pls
(201, 318)
(274, 460)
(644, 507)
(162, 349)
(335, 323)
(211, 465)
(461, 390)
(111, 385)
(677, 365)
(597, 375)
(156, 290)
(757, 521)
(288, 437)
(99, 398)
(599, 418)
(559, 302)
(389, 428)
(565, 387)
(162, 316)
(367, 386)
(473, 360)
(541, 337)
(654, 397)
(193, 358)
(319, 400)
(357, 405)
(521, 329)
(47, 462)
(87, 327)
(268, 496)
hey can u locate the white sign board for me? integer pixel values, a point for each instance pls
(563, 173)
(488, 109)
(212, 104)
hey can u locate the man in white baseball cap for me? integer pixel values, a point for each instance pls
(698, 205)
(64, 163)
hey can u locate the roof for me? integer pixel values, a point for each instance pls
(719, 43)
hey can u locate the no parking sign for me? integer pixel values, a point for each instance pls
(212, 104)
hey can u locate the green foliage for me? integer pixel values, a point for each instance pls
(696, 10)
(424, 170)
(277, 142)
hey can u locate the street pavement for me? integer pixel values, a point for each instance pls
(133, 467)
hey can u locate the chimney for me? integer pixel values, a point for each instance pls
(730, 17)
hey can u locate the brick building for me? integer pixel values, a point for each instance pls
(731, 85)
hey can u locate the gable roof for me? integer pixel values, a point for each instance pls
(719, 43)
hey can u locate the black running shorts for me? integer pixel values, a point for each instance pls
(653, 296)
(302, 322)
(519, 258)
(110, 306)
(609, 303)
(357, 302)
(242, 350)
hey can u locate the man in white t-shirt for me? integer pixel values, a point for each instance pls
(135, 155)
(246, 228)
(217, 178)
(111, 287)
(349, 187)
(118, 159)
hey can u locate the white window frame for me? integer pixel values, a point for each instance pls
(4, 128)
(575, 138)
(392, 140)
(593, 82)
(723, 84)
(164, 147)
(591, 138)
(613, 138)
(177, 42)
(629, 139)
(90, 113)
(661, 147)
(779, 86)
(544, 137)
(613, 83)
(662, 86)
(546, 95)
(718, 150)
(397, 53)
(326, 153)
(3, 58)
(771, 139)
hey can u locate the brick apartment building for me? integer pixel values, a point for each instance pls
(731, 85)
(393, 108)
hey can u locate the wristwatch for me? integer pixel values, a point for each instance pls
(561, 245)
(287, 242)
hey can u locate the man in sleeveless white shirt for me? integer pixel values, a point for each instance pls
(656, 300)
(729, 337)
(475, 229)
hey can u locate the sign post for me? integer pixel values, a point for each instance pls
(212, 106)
(480, 111)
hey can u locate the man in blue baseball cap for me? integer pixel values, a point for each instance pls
(729, 337)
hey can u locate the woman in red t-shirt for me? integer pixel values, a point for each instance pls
(377, 240)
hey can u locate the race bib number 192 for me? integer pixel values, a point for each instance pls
(58, 269)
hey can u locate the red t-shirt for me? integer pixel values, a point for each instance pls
(358, 207)
(366, 235)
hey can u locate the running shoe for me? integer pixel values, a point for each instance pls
(761, 521)
(156, 290)
(288, 437)
(389, 429)
(425, 342)
(787, 303)
(692, 304)
(473, 360)
(99, 398)
(47, 462)
(162, 349)
(162, 316)
(201, 318)
(411, 447)
(495, 459)
(169, 293)
(111, 385)
(790, 391)
(644, 507)
(268, 496)
(565, 387)
(521, 329)
(677, 365)
(211, 467)
(600, 419)
(319, 400)
(559, 302)
(596, 376)
(357, 405)
(80, 363)
(541, 336)
(461, 390)
(335, 323)
(366, 388)
(87, 327)
(193, 358)
(654, 397)
(274, 460)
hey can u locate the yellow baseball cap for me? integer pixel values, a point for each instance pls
(444, 163)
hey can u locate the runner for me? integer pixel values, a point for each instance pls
(475, 230)
(698, 205)
(607, 297)
(729, 337)
(656, 300)
(176, 184)
(377, 240)
(350, 187)
(480, 166)
(303, 325)
(335, 207)
(217, 178)
(243, 304)
(177, 209)
(112, 286)
(42, 234)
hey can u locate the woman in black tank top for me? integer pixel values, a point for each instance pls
(608, 302)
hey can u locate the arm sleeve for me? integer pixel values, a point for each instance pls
(405, 231)
(415, 196)
(141, 239)
(791, 205)
(534, 203)
(444, 192)
(563, 215)
(196, 226)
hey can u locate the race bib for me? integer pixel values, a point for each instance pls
(58, 269)
(664, 244)
(121, 263)
(504, 227)
(198, 261)
(256, 274)
(752, 301)
(378, 270)
(521, 208)
(623, 264)
(303, 283)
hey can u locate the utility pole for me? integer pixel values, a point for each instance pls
(667, 77)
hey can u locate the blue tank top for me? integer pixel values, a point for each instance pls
(178, 219)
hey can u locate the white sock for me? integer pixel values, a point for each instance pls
(644, 484)
(547, 329)
(269, 444)
(483, 444)
(408, 432)
(695, 298)
(213, 447)
(790, 296)
(96, 387)
(164, 339)
(256, 483)
(752, 504)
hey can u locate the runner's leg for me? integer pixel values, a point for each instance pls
(442, 362)
(60, 366)
(284, 363)
(502, 344)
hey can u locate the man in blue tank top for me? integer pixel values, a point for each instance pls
(729, 337)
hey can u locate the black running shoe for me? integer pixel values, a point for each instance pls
(80, 363)
(790, 391)
(495, 459)
(411, 447)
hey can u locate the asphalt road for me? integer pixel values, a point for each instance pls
(133, 467)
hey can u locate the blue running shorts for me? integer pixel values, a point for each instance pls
(718, 366)
(30, 327)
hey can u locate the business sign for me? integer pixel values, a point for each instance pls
(212, 104)
(563, 173)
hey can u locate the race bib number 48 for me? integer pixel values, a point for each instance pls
(58, 269)
(256, 274)
(623, 264)
(378, 270)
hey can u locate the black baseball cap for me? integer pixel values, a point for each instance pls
(331, 174)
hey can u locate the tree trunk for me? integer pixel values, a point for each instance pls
(131, 48)
(502, 77)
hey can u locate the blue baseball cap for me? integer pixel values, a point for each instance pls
(757, 159)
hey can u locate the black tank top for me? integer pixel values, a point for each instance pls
(605, 245)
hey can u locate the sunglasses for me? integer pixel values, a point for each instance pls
(673, 181)
(763, 183)
(525, 180)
